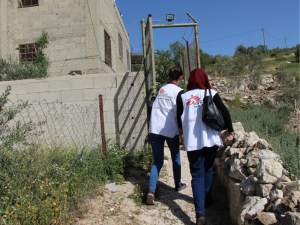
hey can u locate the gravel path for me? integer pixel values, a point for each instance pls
(171, 207)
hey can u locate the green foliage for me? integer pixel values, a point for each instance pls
(15, 70)
(176, 48)
(270, 124)
(289, 91)
(274, 55)
(40, 184)
(163, 62)
(205, 59)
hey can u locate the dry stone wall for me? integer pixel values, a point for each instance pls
(258, 186)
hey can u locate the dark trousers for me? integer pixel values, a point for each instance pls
(201, 167)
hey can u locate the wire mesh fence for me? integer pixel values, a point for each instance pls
(188, 59)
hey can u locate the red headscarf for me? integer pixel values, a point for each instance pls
(198, 80)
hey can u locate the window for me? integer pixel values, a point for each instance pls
(120, 47)
(28, 3)
(128, 59)
(107, 43)
(28, 53)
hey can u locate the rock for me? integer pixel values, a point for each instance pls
(291, 201)
(238, 127)
(278, 207)
(239, 174)
(253, 153)
(293, 186)
(229, 99)
(270, 88)
(263, 144)
(267, 218)
(112, 187)
(283, 179)
(251, 170)
(251, 140)
(272, 100)
(263, 190)
(257, 207)
(248, 186)
(267, 154)
(236, 198)
(244, 162)
(293, 218)
(276, 194)
(268, 171)
(246, 206)
(232, 151)
(252, 162)
(238, 141)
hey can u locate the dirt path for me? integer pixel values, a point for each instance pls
(171, 208)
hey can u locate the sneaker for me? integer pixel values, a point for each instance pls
(182, 186)
(151, 197)
(200, 219)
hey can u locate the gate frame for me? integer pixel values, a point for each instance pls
(151, 88)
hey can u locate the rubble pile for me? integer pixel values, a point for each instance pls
(258, 186)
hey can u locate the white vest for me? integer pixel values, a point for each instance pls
(163, 119)
(197, 134)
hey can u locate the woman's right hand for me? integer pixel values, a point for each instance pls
(229, 139)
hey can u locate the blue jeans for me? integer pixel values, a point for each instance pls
(157, 143)
(201, 167)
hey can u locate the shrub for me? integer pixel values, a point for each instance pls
(297, 53)
(14, 70)
(270, 125)
(274, 55)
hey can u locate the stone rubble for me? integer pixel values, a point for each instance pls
(259, 190)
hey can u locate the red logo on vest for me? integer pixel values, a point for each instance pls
(162, 91)
(192, 100)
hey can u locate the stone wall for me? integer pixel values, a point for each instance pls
(76, 98)
(259, 190)
(76, 29)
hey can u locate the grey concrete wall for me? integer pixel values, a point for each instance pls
(76, 29)
(70, 106)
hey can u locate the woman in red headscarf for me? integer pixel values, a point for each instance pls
(200, 141)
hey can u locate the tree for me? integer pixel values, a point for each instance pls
(163, 61)
(176, 48)
(205, 59)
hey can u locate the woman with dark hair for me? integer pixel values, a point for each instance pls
(163, 127)
(200, 141)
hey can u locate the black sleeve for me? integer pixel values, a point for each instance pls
(179, 108)
(220, 105)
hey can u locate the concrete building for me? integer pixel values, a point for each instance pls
(86, 36)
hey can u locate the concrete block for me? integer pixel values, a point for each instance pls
(92, 94)
(72, 96)
(60, 85)
(29, 97)
(34, 87)
(108, 105)
(43, 7)
(50, 96)
(38, 24)
(19, 88)
(81, 82)
(112, 93)
(79, 104)
(105, 81)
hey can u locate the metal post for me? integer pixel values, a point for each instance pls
(152, 54)
(188, 55)
(102, 126)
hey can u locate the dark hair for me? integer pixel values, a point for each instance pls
(175, 73)
(198, 80)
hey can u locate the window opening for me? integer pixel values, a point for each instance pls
(107, 43)
(120, 47)
(28, 3)
(28, 53)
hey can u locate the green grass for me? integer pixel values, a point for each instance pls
(270, 124)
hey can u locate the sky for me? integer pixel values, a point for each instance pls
(231, 22)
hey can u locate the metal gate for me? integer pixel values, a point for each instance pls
(149, 57)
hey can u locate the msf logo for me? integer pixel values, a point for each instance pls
(162, 91)
(192, 100)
